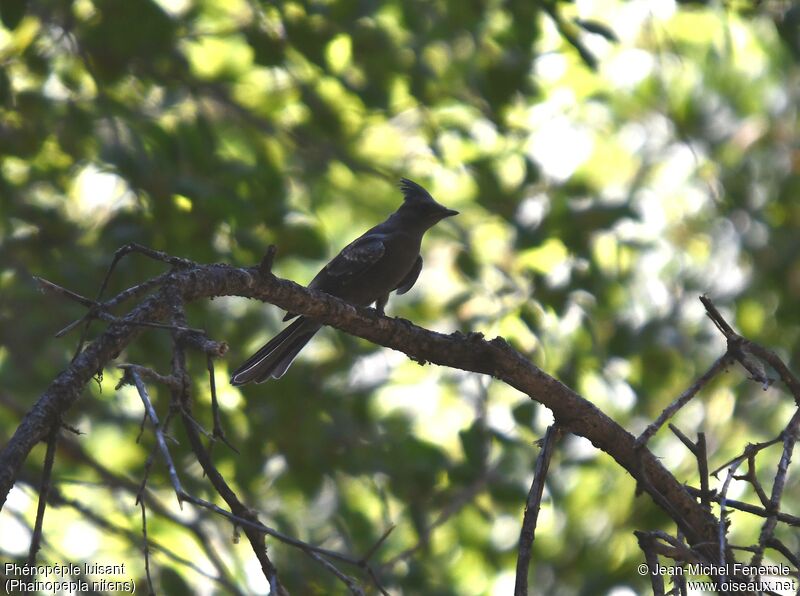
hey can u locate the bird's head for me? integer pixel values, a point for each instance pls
(419, 204)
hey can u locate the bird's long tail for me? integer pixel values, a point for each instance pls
(275, 356)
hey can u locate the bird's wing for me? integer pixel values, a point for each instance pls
(411, 277)
(357, 256)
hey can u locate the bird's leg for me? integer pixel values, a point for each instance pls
(380, 303)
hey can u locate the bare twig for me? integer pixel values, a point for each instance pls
(250, 523)
(49, 286)
(745, 351)
(146, 372)
(723, 522)
(717, 318)
(565, 29)
(133, 292)
(768, 356)
(462, 498)
(200, 341)
(793, 558)
(364, 560)
(175, 262)
(749, 450)
(675, 548)
(751, 477)
(75, 450)
(162, 444)
(218, 432)
(146, 548)
(223, 580)
(468, 352)
(346, 579)
(699, 451)
(682, 400)
(532, 507)
(44, 490)
(374, 577)
(702, 469)
(100, 310)
(374, 548)
(647, 544)
(181, 397)
(786, 518)
(156, 255)
(265, 267)
(790, 438)
(678, 580)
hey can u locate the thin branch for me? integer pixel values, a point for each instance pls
(699, 451)
(253, 524)
(146, 548)
(682, 399)
(136, 291)
(647, 544)
(103, 523)
(779, 546)
(786, 518)
(200, 341)
(771, 358)
(346, 579)
(566, 31)
(151, 458)
(44, 490)
(99, 310)
(702, 470)
(180, 397)
(374, 577)
(175, 262)
(133, 376)
(749, 450)
(679, 587)
(723, 522)
(714, 314)
(146, 372)
(751, 477)
(265, 267)
(746, 351)
(790, 438)
(218, 432)
(109, 480)
(48, 286)
(374, 548)
(675, 548)
(532, 507)
(156, 255)
(467, 352)
(458, 502)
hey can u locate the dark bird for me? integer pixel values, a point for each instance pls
(386, 258)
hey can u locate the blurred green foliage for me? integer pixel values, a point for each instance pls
(597, 204)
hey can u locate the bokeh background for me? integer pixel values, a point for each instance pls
(611, 161)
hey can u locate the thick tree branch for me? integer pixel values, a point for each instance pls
(467, 352)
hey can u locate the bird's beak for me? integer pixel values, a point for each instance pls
(449, 213)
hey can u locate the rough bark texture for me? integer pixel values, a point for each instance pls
(467, 352)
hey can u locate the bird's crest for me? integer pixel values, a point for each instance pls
(413, 192)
